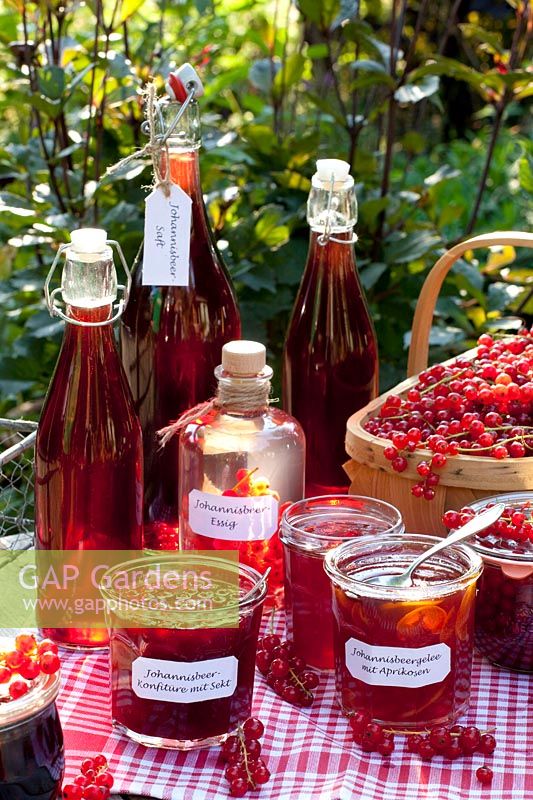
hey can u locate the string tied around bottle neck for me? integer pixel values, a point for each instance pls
(157, 145)
(233, 394)
(326, 237)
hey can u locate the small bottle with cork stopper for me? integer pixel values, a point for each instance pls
(241, 463)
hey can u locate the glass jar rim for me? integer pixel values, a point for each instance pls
(292, 533)
(502, 554)
(42, 693)
(420, 592)
(252, 598)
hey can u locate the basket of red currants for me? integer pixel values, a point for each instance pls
(454, 432)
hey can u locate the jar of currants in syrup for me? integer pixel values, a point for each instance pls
(404, 655)
(504, 613)
(32, 758)
(310, 528)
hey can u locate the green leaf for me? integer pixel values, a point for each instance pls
(501, 295)
(127, 10)
(269, 228)
(368, 65)
(316, 51)
(525, 174)
(322, 12)
(443, 173)
(481, 35)
(440, 65)
(290, 73)
(348, 11)
(404, 247)
(260, 74)
(51, 82)
(371, 274)
(14, 204)
(411, 93)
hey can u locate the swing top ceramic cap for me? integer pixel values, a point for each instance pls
(180, 79)
(328, 167)
(243, 357)
(89, 240)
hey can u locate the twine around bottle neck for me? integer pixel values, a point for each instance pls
(234, 395)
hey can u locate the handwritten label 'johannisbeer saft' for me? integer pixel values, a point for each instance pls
(167, 238)
(397, 666)
(184, 681)
(239, 519)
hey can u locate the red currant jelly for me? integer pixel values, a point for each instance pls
(404, 655)
(309, 529)
(32, 757)
(188, 684)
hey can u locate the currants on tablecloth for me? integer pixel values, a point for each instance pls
(453, 742)
(287, 674)
(93, 783)
(245, 769)
(371, 737)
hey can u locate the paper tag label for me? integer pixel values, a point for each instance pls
(397, 666)
(167, 238)
(184, 681)
(239, 519)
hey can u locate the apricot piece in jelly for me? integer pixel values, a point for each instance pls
(429, 619)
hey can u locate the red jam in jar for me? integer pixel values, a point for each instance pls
(182, 659)
(504, 614)
(403, 654)
(310, 528)
(32, 758)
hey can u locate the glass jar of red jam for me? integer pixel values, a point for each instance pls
(32, 758)
(308, 530)
(403, 654)
(182, 657)
(504, 613)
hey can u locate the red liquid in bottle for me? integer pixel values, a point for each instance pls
(171, 342)
(88, 455)
(330, 364)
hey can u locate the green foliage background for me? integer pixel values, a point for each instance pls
(426, 104)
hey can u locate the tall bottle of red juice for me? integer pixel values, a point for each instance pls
(174, 327)
(242, 462)
(88, 452)
(330, 360)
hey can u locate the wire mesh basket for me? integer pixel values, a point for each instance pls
(17, 441)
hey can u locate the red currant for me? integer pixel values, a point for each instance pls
(484, 774)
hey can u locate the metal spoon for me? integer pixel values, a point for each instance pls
(474, 525)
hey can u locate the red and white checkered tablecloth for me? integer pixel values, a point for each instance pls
(308, 751)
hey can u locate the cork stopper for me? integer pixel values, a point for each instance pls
(243, 357)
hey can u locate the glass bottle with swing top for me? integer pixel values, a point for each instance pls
(330, 360)
(241, 464)
(172, 336)
(88, 451)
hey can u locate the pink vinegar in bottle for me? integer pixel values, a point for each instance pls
(330, 361)
(172, 337)
(88, 453)
(241, 464)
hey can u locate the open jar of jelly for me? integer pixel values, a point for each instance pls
(183, 639)
(504, 613)
(403, 654)
(32, 758)
(310, 528)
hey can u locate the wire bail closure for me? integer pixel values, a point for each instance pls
(55, 309)
(163, 138)
(326, 237)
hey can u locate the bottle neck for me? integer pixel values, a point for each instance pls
(242, 395)
(332, 209)
(185, 171)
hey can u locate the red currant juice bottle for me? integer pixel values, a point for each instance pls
(330, 361)
(172, 336)
(88, 453)
(241, 465)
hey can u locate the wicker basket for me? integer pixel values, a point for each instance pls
(464, 478)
